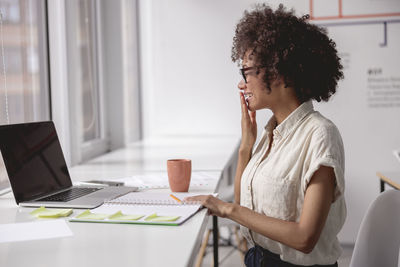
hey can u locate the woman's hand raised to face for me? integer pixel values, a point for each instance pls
(249, 126)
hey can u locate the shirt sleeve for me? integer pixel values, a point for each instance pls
(325, 149)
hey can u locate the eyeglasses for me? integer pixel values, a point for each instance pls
(242, 72)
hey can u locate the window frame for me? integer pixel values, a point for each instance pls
(59, 74)
(95, 147)
(63, 109)
(119, 97)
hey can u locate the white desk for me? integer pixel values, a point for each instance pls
(119, 244)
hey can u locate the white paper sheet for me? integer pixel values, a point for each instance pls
(13, 232)
(160, 179)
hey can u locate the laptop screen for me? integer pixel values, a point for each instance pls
(34, 160)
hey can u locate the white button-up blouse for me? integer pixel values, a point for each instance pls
(276, 186)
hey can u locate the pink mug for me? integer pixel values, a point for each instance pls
(179, 173)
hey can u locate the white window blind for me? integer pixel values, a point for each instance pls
(24, 83)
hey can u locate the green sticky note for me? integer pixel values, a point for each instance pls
(42, 212)
(155, 218)
(119, 216)
(87, 215)
(38, 211)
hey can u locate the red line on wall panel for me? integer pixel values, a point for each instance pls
(357, 16)
(341, 16)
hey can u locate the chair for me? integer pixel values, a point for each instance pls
(378, 239)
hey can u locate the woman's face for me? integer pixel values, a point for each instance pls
(255, 90)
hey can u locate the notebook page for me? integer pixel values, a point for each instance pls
(151, 198)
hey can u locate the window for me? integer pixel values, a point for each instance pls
(92, 52)
(24, 83)
(84, 61)
(24, 89)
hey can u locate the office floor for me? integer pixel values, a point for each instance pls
(229, 256)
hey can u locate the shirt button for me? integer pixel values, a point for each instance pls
(248, 187)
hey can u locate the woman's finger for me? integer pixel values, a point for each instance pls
(199, 198)
(243, 102)
(245, 111)
(252, 116)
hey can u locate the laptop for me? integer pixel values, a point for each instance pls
(38, 172)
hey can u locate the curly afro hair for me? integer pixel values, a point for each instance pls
(289, 47)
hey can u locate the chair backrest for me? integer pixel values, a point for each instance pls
(378, 238)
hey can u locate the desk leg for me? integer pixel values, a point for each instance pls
(215, 238)
(382, 186)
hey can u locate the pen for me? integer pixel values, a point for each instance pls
(174, 197)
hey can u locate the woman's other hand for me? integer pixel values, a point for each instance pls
(249, 126)
(214, 205)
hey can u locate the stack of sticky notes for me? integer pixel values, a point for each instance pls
(119, 216)
(87, 215)
(91, 216)
(155, 218)
(42, 212)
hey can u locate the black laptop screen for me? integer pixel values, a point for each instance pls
(34, 160)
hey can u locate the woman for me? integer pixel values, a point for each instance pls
(289, 190)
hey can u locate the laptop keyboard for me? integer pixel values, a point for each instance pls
(70, 194)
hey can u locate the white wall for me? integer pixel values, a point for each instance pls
(189, 84)
(189, 81)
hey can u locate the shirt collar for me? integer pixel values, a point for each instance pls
(283, 129)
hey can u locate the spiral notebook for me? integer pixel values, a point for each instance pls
(142, 208)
